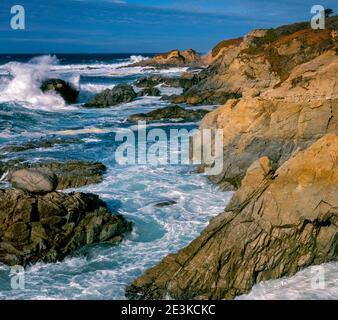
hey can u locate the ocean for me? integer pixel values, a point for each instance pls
(101, 271)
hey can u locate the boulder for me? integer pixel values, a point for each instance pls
(169, 113)
(63, 88)
(122, 93)
(37, 181)
(49, 227)
(276, 224)
(70, 174)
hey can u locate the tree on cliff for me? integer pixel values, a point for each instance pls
(328, 12)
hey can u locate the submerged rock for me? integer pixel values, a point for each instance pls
(63, 88)
(122, 93)
(170, 113)
(275, 225)
(39, 181)
(49, 227)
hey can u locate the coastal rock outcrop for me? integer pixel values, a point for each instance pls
(170, 113)
(172, 59)
(122, 93)
(49, 227)
(277, 223)
(255, 127)
(262, 61)
(61, 87)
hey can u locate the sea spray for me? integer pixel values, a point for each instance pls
(24, 86)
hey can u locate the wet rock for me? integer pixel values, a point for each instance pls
(49, 227)
(36, 144)
(121, 93)
(155, 80)
(276, 224)
(170, 113)
(165, 203)
(152, 92)
(63, 88)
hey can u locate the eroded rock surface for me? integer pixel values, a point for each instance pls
(276, 224)
(49, 227)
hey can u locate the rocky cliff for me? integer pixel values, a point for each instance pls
(280, 155)
(276, 223)
(261, 60)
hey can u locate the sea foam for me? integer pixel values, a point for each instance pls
(26, 79)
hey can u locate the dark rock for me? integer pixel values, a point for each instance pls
(170, 113)
(49, 227)
(208, 97)
(165, 203)
(37, 181)
(121, 93)
(35, 144)
(155, 80)
(152, 92)
(275, 225)
(67, 92)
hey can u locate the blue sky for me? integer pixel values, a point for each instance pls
(98, 26)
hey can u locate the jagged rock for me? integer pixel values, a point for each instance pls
(254, 128)
(34, 180)
(275, 225)
(169, 113)
(261, 61)
(49, 227)
(63, 88)
(153, 92)
(70, 174)
(155, 80)
(206, 98)
(121, 93)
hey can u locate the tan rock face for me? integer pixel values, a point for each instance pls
(254, 128)
(276, 224)
(265, 59)
(174, 57)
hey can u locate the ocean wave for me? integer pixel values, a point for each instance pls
(25, 82)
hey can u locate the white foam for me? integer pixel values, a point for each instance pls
(24, 87)
(95, 88)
